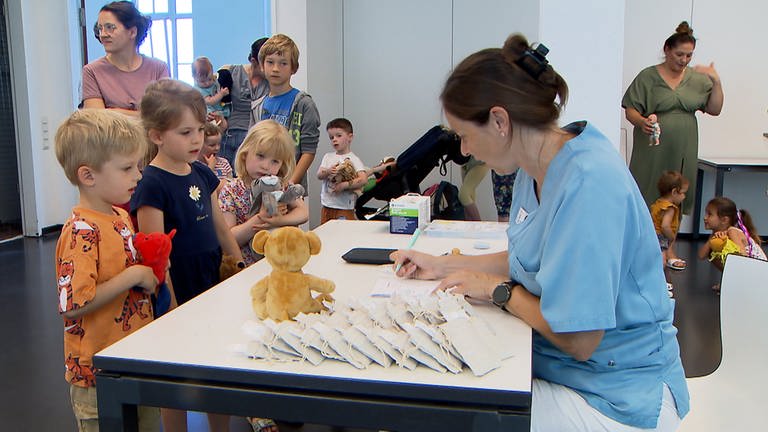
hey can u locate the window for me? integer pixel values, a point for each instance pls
(170, 38)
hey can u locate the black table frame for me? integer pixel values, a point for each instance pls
(719, 169)
(125, 383)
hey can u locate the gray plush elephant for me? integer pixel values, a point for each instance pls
(268, 190)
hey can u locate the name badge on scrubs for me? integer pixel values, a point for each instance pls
(521, 216)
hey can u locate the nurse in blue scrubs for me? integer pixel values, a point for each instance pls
(582, 268)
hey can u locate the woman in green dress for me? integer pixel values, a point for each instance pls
(674, 92)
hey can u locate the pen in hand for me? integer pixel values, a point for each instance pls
(414, 237)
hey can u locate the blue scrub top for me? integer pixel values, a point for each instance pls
(589, 251)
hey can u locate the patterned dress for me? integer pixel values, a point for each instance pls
(235, 198)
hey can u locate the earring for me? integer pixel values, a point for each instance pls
(503, 134)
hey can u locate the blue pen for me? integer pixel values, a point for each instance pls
(414, 237)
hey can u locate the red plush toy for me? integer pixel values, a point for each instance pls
(154, 250)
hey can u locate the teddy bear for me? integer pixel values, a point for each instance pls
(154, 251)
(269, 190)
(721, 247)
(229, 267)
(345, 172)
(286, 291)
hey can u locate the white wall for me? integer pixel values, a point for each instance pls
(585, 42)
(42, 65)
(394, 65)
(324, 57)
(472, 31)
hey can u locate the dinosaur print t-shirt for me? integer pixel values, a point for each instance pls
(94, 247)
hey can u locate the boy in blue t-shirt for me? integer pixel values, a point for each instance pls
(292, 108)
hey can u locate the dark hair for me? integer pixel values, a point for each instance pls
(669, 181)
(129, 16)
(725, 207)
(164, 102)
(340, 123)
(255, 48)
(683, 34)
(502, 77)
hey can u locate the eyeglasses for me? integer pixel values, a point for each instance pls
(107, 28)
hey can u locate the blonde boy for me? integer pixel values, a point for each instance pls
(104, 295)
(292, 108)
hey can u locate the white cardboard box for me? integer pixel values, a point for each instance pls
(408, 212)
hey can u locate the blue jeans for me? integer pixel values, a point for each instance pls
(230, 142)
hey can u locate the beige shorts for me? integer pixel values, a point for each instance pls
(87, 413)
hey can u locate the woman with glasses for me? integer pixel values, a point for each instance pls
(117, 80)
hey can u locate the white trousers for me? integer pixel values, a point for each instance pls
(557, 408)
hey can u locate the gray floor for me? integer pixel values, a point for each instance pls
(35, 396)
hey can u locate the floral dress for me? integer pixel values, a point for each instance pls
(235, 198)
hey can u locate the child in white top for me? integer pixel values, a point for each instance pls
(266, 150)
(339, 197)
(735, 230)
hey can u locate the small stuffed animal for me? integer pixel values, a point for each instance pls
(722, 247)
(286, 291)
(345, 172)
(656, 130)
(717, 243)
(229, 267)
(154, 251)
(269, 189)
(224, 77)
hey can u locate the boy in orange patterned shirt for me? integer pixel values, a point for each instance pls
(104, 295)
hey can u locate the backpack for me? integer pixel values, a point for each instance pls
(445, 201)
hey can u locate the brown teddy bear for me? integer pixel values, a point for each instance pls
(286, 291)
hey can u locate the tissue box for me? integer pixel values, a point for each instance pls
(408, 213)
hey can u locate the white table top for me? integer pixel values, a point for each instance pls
(751, 161)
(200, 332)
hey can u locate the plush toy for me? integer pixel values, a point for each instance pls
(722, 247)
(229, 267)
(656, 130)
(269, 190)
(381, 170)
(154, 251)
(286, 291)
(345, 172)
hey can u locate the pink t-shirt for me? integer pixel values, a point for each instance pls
(117, 88)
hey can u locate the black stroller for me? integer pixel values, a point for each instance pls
(435, 148)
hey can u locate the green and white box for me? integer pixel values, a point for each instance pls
(408, 213)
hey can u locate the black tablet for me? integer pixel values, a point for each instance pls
(368, 256)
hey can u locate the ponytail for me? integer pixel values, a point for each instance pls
(746, 225)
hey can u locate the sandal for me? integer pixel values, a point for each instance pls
(262, 424)
(676, 264)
